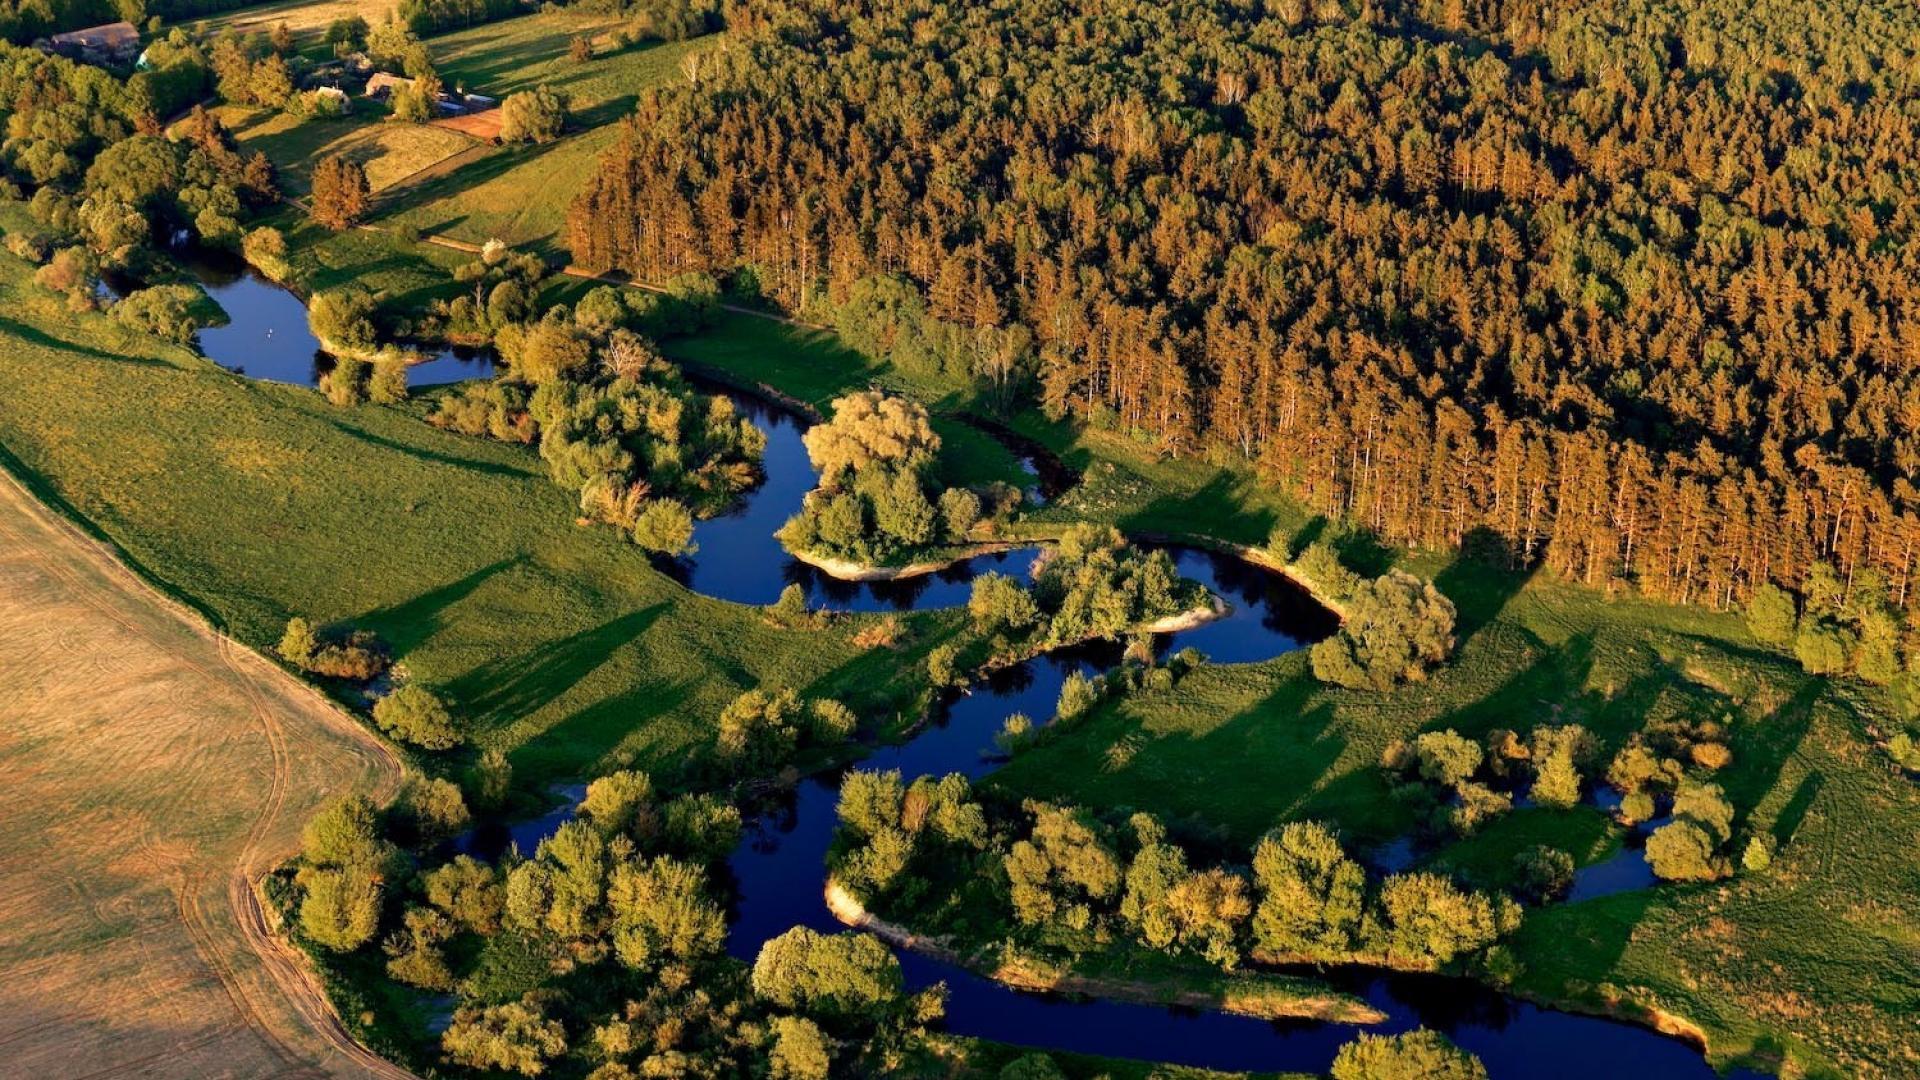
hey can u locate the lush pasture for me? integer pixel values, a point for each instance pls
(520, 194)
(556, 642)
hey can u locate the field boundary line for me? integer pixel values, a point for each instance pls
(284, 967)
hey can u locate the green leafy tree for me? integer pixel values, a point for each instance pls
(665, 527)
(801, 1050)
(1416, 1055)
(1681, 850)
(662, 914)
(513, 1037)
(1397, 627)
(413, 714)
(1311, 895)
(341, 906)
(1772, 614)
(535, 116)
(840, 975)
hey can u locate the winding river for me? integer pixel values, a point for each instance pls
(266, 336)
(778, 867)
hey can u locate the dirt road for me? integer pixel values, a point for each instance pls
(154, 770)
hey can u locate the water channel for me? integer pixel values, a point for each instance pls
(778, 867)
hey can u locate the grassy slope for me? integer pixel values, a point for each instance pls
(520, 194)
(1818, 946)
(389, 150)
(469, 191)
(256, 501)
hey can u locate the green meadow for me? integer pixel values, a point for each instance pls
(557, 642)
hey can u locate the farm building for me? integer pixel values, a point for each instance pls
(335, 94)
(384, 83)
(109, 43)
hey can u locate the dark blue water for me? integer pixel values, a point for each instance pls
(779, 868)
(738, 558)
(266, 336)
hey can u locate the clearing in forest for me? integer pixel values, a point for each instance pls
(155, 770)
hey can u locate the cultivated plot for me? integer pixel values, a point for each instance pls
(155, 770)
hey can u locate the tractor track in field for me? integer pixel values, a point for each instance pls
(90, 574)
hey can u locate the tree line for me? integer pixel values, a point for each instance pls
(1612, 284)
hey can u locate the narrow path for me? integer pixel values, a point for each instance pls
(157, 771)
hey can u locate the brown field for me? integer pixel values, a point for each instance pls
(154, 771)
(480, 125)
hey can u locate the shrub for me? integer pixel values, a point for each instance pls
(1416, 1055)
(516, 1037)
(343, 320)
(664, 526)
(413, 714)
(1397, 627)
(1543, 873)
(173, 312)
(536, 116)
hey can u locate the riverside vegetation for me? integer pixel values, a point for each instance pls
(1774, 743)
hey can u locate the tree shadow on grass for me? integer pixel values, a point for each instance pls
(1477, 582)
(1787, 822)
(489, 468)
(576, 745)
(507, 689)
(1218, 508)
(36, 336)
(405, 625)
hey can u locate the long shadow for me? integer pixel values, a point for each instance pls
(1760, 756)
(1219, 507)
(573, 746)
(489, 468)
(406, 625)
(1477, 584)
(509, 688)
(37, 336)
(1788, 821)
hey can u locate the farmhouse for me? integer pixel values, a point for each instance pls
(109, 43)
(384, 83)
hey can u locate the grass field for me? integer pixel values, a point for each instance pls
(308, 19)
(520, 194)
(390, 151)
(556, 642)
(154, 772)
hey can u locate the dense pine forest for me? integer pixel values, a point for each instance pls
(1628, 285)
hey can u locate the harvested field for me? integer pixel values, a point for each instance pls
(155, 771)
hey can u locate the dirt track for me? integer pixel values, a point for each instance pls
(154, 771)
